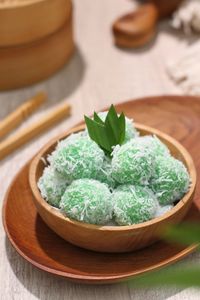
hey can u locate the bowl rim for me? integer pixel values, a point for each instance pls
(107, 228)
(18, 5)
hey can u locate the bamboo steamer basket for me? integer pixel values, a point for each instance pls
(25, 21)
(26, 64)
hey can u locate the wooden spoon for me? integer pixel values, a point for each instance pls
(139, 27)
(136, 28)
(166, 7)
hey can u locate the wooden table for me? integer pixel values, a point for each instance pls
(99, 74)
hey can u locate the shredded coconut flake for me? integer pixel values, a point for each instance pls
(134, 204)
(185, 70)
(77, 157)
(187, 17)
(170, 180)
(88, 201)
(52, 185)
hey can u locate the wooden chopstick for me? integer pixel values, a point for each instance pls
(26, 134)
(21, 113)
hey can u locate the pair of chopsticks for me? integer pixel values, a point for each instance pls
(26, 134)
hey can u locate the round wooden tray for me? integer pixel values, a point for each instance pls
(29, 20)
(177, 116)
(27, 64)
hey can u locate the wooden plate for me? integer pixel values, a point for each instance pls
(27, 64)
(177, 116)
(26, 21)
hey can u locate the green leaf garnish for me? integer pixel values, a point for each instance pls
(98, 119)
(185, 233)
(97, 133)
(184, 276)
(122, 128)
(108, 133)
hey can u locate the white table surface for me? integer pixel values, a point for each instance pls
(99, 74)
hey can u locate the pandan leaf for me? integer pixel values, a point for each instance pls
(108, 133)
(112, 123)
(98, 119)
(97, 133)
(183, 277)
(122, 126)
(184, 233)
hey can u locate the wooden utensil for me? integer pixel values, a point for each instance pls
(166, 8)
(21, 113)
(26, 134)
(27, 64)
(27, 21)
(40, 246)
(110, 238)
(137, 28)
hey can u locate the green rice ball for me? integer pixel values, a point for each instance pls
(104, 174)
(170, 180)
(134, 205)
(52, 186)
(132, 163)
(157, 147)
(88, 201)
(130, 132)
(77, 157)
(141, 190)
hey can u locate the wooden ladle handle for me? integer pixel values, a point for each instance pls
(136, 28)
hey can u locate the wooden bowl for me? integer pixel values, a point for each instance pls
(26, 21)
(30, 63)
(111, 238)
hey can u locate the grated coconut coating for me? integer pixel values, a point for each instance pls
(87, 200)
(157, 147)
(104, 174)
(133, 204)
(52, 186)
(77, 157)
(161, 210)
(130, 132)
(170, 180)
(145, 160)
(132, 162)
